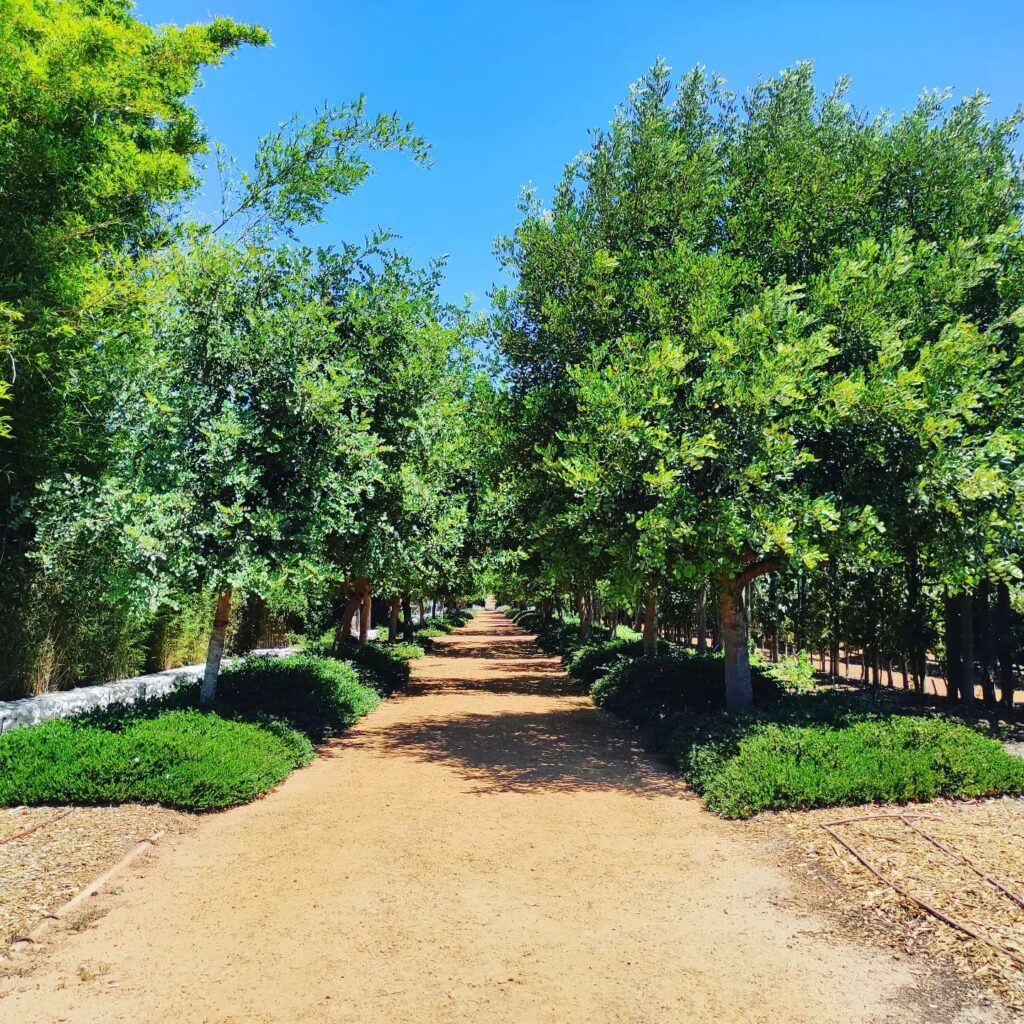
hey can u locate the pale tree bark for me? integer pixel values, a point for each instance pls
(355, 601)
(215, 651)
(583, 610)
(650, 626)
(734, 627)
(739, 690)
(396, 604)
(365, 614)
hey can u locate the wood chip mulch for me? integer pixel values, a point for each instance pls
(49, 854)
(960, 866)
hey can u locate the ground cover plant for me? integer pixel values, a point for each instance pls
(796, 749)
(268, 715)
(187, 759)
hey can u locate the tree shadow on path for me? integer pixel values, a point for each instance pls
(560, 750)
(565, 745)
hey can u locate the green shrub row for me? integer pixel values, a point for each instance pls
(800, 748)
(269, 711)
(187, 759)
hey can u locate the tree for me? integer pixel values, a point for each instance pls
(734, 320)
(99, 140)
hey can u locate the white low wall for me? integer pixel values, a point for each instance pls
(68, 703)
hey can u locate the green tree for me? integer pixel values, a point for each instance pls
(97, 141)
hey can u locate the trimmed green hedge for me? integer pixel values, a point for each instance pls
(758, 765)
(268, 709)
(319, 695)
(187, 759)
(797, 750)
(382, 667)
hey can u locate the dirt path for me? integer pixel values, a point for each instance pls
(487, 848)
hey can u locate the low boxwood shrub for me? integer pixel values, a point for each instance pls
(648, 690)
(770, 766)
(268, 712)
(592, 660)
(319, 695)
(797, 749)
(380, 666)
(187, 759)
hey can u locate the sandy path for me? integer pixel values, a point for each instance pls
(486, 848)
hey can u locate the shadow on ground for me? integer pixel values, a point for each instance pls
(564, 745)
(564, 750)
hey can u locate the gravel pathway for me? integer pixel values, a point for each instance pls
(486, 848)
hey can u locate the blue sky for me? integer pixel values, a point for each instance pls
(506, 93)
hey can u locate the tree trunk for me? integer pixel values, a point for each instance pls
(650, 627)
(396, 604)
(988, 686)
(408, 628)
(953, 638)
(365, 613)
(967, 648)
(739, 691)
(702, 619)
(1004, 644)
(583, 608)
(344, 627)
(421, 610)
(215, 652)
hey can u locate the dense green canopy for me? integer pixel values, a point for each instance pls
(758, 367)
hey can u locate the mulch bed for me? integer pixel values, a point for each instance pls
(960, 866)
(49, 854)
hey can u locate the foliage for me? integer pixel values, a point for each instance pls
(187, 759)
(381, 667)
(648, 690)
(768, 334)
(269, 709)
(591, 661)
(97, 143)
(884, 759)
(795, 674)
(796, 751)
(319, 695)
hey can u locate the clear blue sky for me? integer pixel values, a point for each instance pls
(507, 92)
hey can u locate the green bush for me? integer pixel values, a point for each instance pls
(797, 749)
(648, 691)
(268, 709)
(406, 651)
(188, 759)
(430, 632)
(380, 666)
(795, 675)
(770, 766)
(319, 695)
(591, 661)
(557, 636)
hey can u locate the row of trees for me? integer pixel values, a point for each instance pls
(773, 337)
(760, 360)
(200, 412)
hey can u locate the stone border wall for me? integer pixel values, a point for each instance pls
(82, 699)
